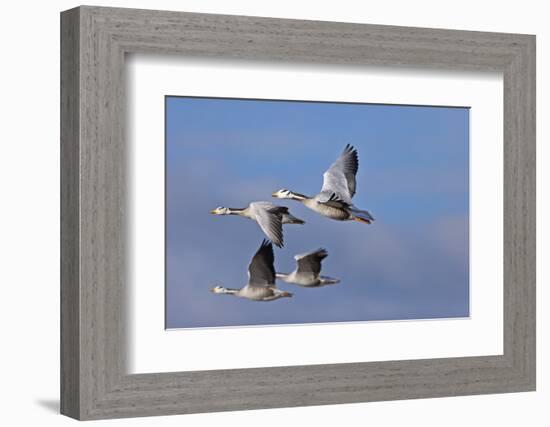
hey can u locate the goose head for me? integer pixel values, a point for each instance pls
(220, 210)
(282, 194)
(217, 289)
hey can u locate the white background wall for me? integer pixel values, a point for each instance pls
(29, 213)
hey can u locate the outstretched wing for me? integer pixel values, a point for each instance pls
(261, 271)
(311, 261)
(270, 221)
(340, 177)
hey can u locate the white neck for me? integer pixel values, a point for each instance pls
(297, 196)
(227, 291)
(236, 211)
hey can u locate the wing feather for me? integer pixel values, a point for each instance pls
(311, 262)
(270, 221)
(261, 272)
(340, 177)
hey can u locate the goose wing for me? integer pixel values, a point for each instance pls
(339, 179)
(311, 261)
(269, 218)
(333, 199)
(261, 272)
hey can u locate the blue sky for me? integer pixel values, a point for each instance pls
(411, 263)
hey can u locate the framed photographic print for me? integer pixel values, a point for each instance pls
(356, 201)
(412, 161)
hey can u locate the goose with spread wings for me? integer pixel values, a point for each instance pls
(308, 270)
(269, 217)
(261, 278)
(339, 185)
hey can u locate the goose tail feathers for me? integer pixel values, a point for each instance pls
(362, 216)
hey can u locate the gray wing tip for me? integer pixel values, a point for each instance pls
(272, 225)
(353, 159)
(277, 241)
(277, 238)
(277, 209)
(267, 248)
(321, 253)
(349, 149)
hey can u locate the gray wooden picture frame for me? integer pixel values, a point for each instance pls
(94, 381)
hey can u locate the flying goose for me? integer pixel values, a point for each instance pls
(308, 270)
(261, 278)
(269, 217)
(334, 200)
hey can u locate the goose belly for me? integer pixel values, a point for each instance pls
(306, 281)
(328, 211)
(256, 293)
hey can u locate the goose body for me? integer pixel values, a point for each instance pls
(269, 217)
(261, 278)
(339, 185)
(308, 269)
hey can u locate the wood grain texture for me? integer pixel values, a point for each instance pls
(94, 274)
(70, 220)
